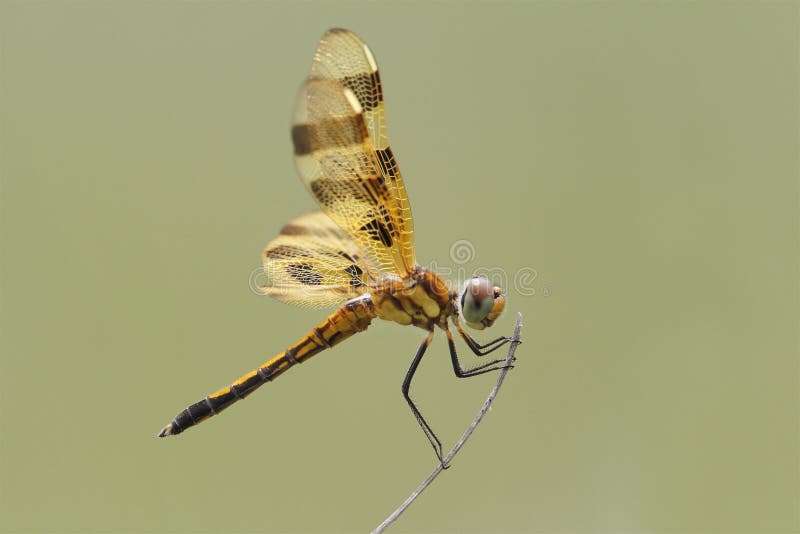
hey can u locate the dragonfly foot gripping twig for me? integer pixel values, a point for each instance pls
(515, 341)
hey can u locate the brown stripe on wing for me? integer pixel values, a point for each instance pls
(329, 133)
(343, 57)
(314, 263)
(287, 251)
(367, 88)
(388, 163)
(375, 221)
(370, 188)
(294, 229)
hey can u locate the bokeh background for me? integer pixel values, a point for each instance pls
(636, 162)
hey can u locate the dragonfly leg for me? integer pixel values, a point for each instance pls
(460, 372)
(426, 429)
(477, 348)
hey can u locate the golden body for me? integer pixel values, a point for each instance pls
(358, 251)
(426, 303)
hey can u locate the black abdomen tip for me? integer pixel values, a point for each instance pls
(169, 430)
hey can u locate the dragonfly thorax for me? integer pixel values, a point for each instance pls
(424, 302)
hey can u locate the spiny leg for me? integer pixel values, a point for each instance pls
(487, 348)
(459, 371)
(426, 429)
(476, 347)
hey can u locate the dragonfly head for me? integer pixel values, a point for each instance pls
(481, 303)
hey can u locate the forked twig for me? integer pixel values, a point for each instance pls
(515, 341)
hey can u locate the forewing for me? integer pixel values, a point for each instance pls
(314, 263)
(344, 58)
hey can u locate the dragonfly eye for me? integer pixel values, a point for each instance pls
(477, 301)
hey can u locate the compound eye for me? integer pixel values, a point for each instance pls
(477, 300)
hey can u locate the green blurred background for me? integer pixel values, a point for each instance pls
(633, 165)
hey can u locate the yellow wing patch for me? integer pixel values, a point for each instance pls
(314, 263)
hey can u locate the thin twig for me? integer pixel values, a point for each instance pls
(515, 341)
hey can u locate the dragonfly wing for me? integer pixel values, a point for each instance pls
(314, 263)
(340, 137)
(342, 56)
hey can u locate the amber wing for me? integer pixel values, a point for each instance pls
(343, 154)
(314, 263)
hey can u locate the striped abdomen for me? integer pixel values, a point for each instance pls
(351, 318)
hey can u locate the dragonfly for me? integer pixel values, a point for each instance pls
(356, 252)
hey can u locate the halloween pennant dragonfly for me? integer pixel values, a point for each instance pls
(358, 251)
